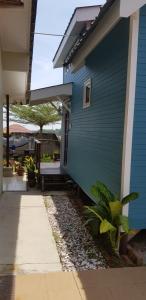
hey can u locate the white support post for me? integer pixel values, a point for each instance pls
(129, 107)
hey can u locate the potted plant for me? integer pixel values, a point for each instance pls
(31, 170)
(20, 170)
(7, 170)
(56, 156)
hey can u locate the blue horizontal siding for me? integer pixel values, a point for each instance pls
(96, 134)
(137, 209)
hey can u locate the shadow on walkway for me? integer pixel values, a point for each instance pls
(10, 209)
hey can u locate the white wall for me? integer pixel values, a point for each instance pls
(1, 127)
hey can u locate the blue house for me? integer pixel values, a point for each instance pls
(103, 55)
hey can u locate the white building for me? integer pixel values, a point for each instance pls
(17, 22)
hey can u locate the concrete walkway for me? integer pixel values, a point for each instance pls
(15, 183)
(111, 284)
(26, 241)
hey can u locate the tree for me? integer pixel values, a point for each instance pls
(39, 115)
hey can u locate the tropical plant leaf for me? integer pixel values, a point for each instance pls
(95, 193)
(116, 208)
(106, 226)
(94, 212)
(124, 223)
(88, 221)
(114, 239)
(104, 211)
(101, 192)
(88, 212)
(129, 198)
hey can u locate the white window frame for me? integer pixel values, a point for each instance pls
(88, 84)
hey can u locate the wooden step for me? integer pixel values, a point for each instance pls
(54, 182)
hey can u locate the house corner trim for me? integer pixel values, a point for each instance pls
(129, 107)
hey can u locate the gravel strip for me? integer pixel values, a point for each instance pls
(75, 245)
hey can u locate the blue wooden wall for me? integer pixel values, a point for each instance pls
(96, 134)
(137, 212)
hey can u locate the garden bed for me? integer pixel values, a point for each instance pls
(75, 245)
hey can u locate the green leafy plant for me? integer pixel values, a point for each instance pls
(31, 170)
(30, 164)
(106, 214)
(46, 158)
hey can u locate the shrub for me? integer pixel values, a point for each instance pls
(106, 214)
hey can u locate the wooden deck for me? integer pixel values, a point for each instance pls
(52, 177)
(50, 168)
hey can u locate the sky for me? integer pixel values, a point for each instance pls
(52, 17)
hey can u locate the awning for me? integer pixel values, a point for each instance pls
(60, 92)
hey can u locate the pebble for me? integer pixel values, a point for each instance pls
(75, 245)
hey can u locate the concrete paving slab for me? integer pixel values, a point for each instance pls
(93, 278)
(112, 284)
(65, 286)
(27, 243)
(53, 286)
(15, 183)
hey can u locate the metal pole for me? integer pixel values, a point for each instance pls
(7, 148)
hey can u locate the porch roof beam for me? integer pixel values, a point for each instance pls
(65, 104)
(50, 94)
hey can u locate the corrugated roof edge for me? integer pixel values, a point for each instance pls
(80, 7)
(103, 11)
(51, 86)
(32, 29)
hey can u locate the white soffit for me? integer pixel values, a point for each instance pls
(128, 7)
(81, 16)
(14, 85)
(15, 25)
(52, 93)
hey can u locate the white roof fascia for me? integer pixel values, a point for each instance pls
(81, 15)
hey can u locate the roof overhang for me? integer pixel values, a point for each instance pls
(119, 9)
(60, 92)
(80, 18)
(109, 16)
(16, 47)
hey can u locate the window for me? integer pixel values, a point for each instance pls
(87, 93)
